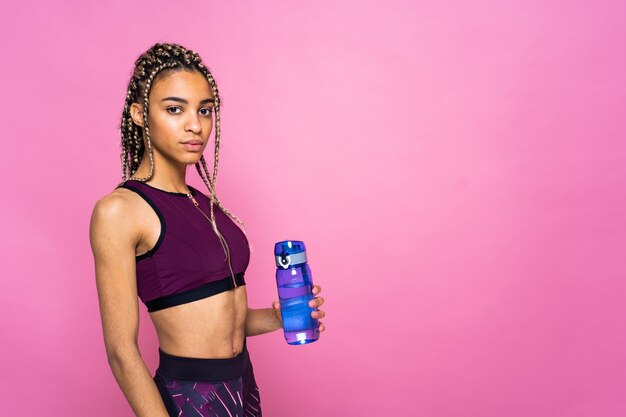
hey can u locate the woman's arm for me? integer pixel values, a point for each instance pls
(262, 320)
(113, 241)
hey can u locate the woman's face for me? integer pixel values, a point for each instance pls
(180, 116)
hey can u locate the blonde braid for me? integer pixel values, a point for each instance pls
(217, 107)
(146, 125)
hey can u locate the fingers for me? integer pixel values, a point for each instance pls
(316, 302)
(319, 314)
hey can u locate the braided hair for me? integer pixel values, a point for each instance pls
(157, 62)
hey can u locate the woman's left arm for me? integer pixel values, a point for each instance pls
(266, 320)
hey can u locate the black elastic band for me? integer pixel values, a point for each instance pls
(201, 369)
(199, 293)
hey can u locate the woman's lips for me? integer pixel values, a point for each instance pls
(192, 146)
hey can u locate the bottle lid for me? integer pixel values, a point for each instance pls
(289, 253)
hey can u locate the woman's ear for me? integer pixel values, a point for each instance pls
(136, 112)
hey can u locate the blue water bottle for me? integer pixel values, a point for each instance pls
(293, 279)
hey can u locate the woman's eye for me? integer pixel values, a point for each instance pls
(207, 110)
(172, 108)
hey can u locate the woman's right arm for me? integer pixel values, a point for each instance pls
(113, 239)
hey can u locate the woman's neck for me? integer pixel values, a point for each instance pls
(167, 177)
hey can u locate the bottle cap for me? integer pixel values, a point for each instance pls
(289, 253)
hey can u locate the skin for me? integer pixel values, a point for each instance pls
(124, 226)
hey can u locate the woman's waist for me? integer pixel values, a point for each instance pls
(206, 337)
(212, 369)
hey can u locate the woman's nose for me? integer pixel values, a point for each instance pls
(193, 124)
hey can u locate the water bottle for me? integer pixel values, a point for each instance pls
(293, 279)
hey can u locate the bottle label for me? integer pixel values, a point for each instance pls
(284, 260)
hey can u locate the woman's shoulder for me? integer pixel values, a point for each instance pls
(115, 225)
(120, 205)
(118, 200)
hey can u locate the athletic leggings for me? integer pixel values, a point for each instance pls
(198, 387)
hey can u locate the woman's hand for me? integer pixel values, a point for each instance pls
(315, 302)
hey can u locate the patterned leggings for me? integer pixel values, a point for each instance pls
(198, 387)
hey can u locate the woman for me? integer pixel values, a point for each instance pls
(179, 250)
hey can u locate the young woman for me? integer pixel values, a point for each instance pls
(157, 238)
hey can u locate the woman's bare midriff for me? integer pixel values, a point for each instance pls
(212, 327)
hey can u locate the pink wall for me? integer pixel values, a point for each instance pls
(463, 197)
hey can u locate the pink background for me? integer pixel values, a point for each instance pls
(461, 187)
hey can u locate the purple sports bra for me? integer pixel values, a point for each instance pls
(187, 263)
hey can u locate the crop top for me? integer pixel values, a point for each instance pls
(188, 262)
